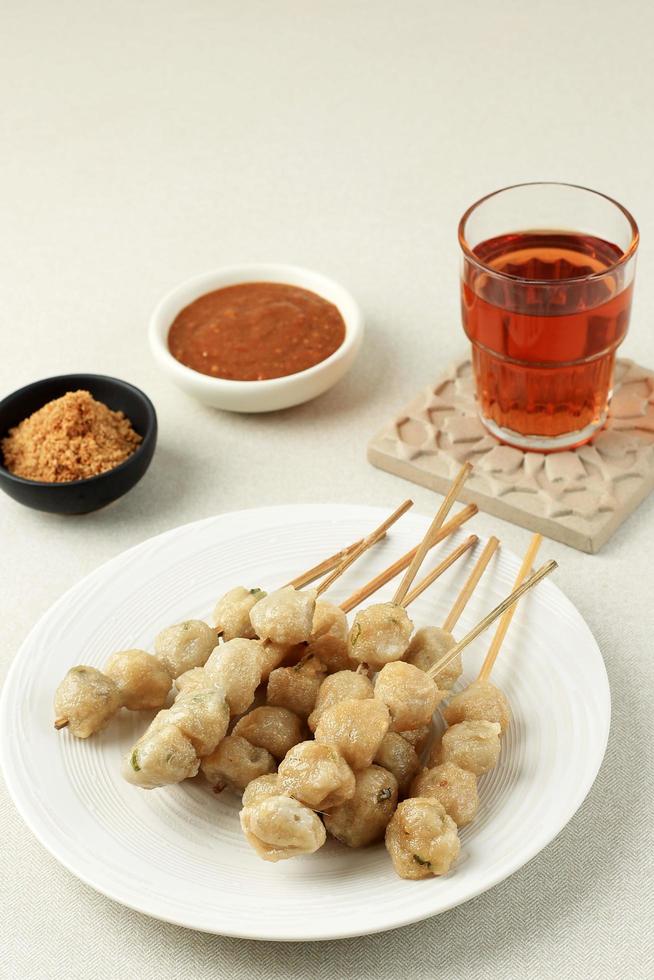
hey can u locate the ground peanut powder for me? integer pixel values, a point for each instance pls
(70, 438)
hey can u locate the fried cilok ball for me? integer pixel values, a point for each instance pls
(472, 745)
(261, 788)
(400, 758)
(236, 668)
(163, 756)
(422, 839)
(345, 685)
(380, 634)
(185, 645)
(481, 701)
(427, 646)
(355, 728)
(411, 696)
(274, 729)
(316, 775)
(296, 688)
(362, 819)
(235, 763)
(418, 738)
(285, 616)
(328, 640)
(86, 701)
(143, 681)
(453, 787)
(196, 679)
(279, 654)
(280, 827)
(232, 613)
(201, 715)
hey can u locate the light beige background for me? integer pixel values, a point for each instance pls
(146, 141)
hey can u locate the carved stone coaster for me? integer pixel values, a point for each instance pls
(579, 497)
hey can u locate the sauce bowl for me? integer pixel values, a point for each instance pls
(271, 394)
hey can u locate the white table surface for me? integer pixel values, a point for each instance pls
(146, 141)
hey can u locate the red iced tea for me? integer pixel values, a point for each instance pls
(545, 317)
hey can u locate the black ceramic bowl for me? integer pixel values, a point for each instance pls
(80, 496)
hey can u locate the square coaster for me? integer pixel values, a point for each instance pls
(579, 497)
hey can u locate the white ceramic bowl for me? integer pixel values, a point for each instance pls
(257, 396)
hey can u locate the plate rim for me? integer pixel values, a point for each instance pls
(537, 842)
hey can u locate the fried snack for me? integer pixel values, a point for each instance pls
(380, 634)
(363, 818)
(422, 839)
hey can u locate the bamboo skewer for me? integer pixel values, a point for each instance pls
(327, 565)
(488, 620)
(60, 723)
(471, 584)
(435, 525)
(365, 544)
(438, 571)
(398, 566)
(505, 621)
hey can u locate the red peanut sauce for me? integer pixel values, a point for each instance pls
(256, 330)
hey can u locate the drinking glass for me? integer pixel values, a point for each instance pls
(546, 287)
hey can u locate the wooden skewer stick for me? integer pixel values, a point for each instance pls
(471, 584)
(435, 525)
(60, 723)
(505, 621)
(398, 566)
(311, 574)
(365, 544)
(438, 571)
(488, 620)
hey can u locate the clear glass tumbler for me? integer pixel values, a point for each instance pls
(546, 287)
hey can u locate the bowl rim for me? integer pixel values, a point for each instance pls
(148, 435)
(204, 282)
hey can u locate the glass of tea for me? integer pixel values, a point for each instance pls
(546, 287)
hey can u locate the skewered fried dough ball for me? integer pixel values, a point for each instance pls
(316, 775)
(86, 700)
(279, 827)
(275, 729)
(236, 668)
(400, 758)
(196, 679)
(417, 738)
(278, 654)
(345, 685)
(380, 634)
(142, 680)
(355, 728)
(362, 819)
(411, 696)
(235, 763)
(427, 646)
(296, 688)
(232, 612)
(185, 645)
(285, 616)
(328, 640)
(422, 839)
(481, 701)
(161, 757)
(261, 788)
(453, 787)
(472, 745)
(201, 715)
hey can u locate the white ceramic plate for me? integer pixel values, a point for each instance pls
(177, 853)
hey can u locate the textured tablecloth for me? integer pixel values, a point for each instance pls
(143, 142)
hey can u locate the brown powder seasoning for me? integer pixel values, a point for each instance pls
(70, 438)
